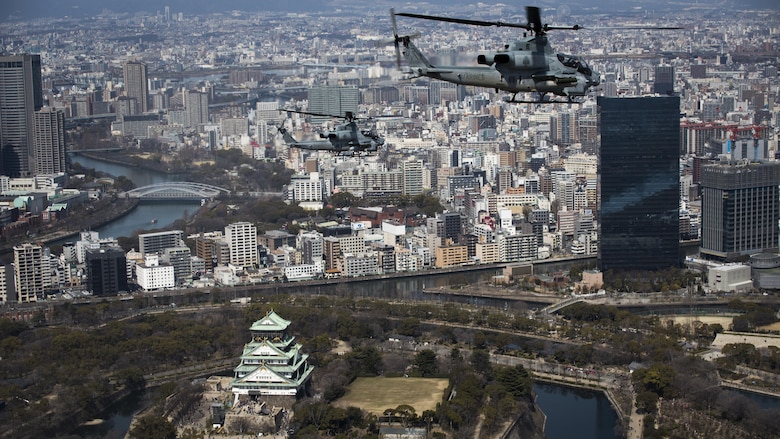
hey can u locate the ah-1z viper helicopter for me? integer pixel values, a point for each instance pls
(527, 65)
(346, 138)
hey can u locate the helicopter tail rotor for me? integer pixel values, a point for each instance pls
(395, 39)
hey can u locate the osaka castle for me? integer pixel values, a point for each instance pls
(272, 362)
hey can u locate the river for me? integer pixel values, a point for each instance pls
(570, 412)
(149, 214)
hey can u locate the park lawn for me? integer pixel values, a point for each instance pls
(377, 394)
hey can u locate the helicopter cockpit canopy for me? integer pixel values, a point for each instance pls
(575, 62)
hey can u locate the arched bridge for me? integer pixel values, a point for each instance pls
(562, 304)
(177, 190)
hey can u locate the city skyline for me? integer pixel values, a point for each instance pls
(18, 9)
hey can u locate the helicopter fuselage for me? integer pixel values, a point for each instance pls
(528, 64)
(344, 139)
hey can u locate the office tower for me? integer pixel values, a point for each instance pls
(234, 126)
(181, 260)
(206, 249)
(106, 271)
(125, 106)
(442, 92)
(453, 226)
(639, 172)
(664, 80)
(261, 132)
(49, 141)
(242, 239)
(331, 252)
(312, 248)
(138, 125)
(699, 71)
(28, 272)
(267, 111)
(307, 187)
(21, 96)
(157, 242)
(504, 179)
(196, 104)
(152, 275)
(136, 85)
(416, 94)
(740, 209)
(312, 165)
(332, 100)
(412, 177)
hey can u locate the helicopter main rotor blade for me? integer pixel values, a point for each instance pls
(465, 21)
(634, 28)
(312, 114)
(395, 39)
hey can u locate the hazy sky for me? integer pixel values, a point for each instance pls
(80, 8)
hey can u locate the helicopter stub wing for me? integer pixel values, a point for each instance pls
(555, 78)
(428, 71)
(316, 145)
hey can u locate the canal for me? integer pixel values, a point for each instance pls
(575, 413)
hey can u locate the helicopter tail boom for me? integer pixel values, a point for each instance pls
(414, 57)
(288, 138)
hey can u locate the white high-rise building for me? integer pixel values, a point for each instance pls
(6, 283)
(261, 131)
(267, 111)
(242, 241)
(28, 272)
(196, 105)
(49, 141)
(307, 187)
(412, 177)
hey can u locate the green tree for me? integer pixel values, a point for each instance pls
(428, 204)
(647, 401)
(406, 414)
(153, 427)
(515, 380)
(365, 361)
(132, 377)
(409, 326)
(658, 378)
(343, 199)
(480, 361)
(425, 362)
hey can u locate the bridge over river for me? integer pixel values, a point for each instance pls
(177, 190)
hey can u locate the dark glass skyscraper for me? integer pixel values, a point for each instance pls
(136, 85)
(106, 271)
(664, 80)
(21, 96)
(639, 178)
(740, 208)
